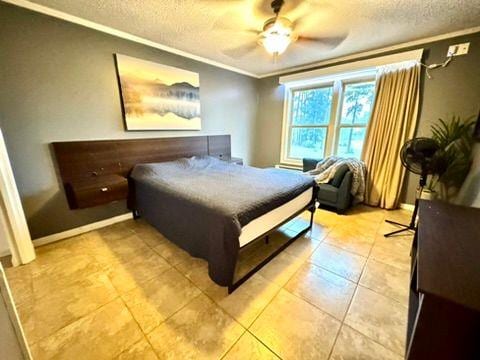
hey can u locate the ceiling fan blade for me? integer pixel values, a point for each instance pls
(330, 42)
(306, 16)
(227, 25)
(240, 51)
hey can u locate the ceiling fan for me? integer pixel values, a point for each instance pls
(279, 32)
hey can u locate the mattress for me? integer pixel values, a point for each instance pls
(204, 204)
(273, 218)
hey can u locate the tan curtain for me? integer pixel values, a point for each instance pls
(392, 123)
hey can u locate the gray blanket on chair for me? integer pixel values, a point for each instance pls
(326, 169)
(202, 203)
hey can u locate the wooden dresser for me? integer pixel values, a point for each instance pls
(444, 304)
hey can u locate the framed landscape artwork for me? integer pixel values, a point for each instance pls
(158, 97)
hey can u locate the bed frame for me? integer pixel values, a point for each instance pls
(96, 172)
(265, 236)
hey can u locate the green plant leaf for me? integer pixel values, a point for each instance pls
(453, 159)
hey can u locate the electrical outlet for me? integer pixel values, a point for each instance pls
(458, 49)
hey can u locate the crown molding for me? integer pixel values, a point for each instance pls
(121, 34)
(124, 35)
(369, 53)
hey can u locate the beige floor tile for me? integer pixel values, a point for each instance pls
(56, 251)
(140, 351)
(327, 219)
(373, 214)
(399, 215)
(353, 240)
(366, 226)
(259, 250)
(303, 247)
(201, 330)
(20, 282)
(34, 281)
(82, 325)
(281, 268)
(386, 280)
(115, 231)
(136, 224)
(155, 300)
(128, 275)
(90, 243)
(352, 345)
(172, 253)
(318, 232)
(125, 248)
(196, 270)
(294, 329)
(298, 224)
(327, 291)
(338, 261)
(394, 251)
(378, 317)
(246, 302)
(103, 334)
(44, 316)
(248, 347)
(151, 236)
(63, 267)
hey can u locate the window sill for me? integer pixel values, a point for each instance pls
(289, 166)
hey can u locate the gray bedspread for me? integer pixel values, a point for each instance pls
(201, 204)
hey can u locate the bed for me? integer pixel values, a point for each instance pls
(212, 208)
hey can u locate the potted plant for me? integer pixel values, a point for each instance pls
(453, 159)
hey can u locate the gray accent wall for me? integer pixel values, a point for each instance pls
(454, 90)
(58, 83)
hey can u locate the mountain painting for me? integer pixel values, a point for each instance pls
(158, 97)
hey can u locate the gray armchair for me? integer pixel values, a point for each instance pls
(336, 193)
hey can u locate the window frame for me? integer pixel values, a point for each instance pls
(326, 126)
(333, 129)
(338, 121)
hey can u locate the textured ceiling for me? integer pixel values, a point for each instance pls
(211, 28)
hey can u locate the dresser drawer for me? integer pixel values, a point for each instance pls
(96, 191)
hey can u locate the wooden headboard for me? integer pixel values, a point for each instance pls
(95, 172)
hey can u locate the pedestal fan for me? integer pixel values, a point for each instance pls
(417, 156)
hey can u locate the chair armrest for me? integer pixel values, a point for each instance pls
(309, 164)
(344, 196)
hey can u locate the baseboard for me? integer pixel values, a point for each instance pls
(408, 207)
(4, 253)
(80, 230)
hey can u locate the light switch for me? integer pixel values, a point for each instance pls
(458, 49)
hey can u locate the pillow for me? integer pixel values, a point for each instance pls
(339, 175)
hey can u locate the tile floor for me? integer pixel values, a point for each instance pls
(125, 292)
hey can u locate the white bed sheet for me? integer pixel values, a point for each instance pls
(273, 218)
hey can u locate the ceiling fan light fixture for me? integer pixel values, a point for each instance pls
(277, 35)
(275, 44)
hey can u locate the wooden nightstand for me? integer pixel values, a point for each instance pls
(96, 190)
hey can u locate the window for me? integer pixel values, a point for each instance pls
(356, 109)
(311, 110)
(329, 118)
